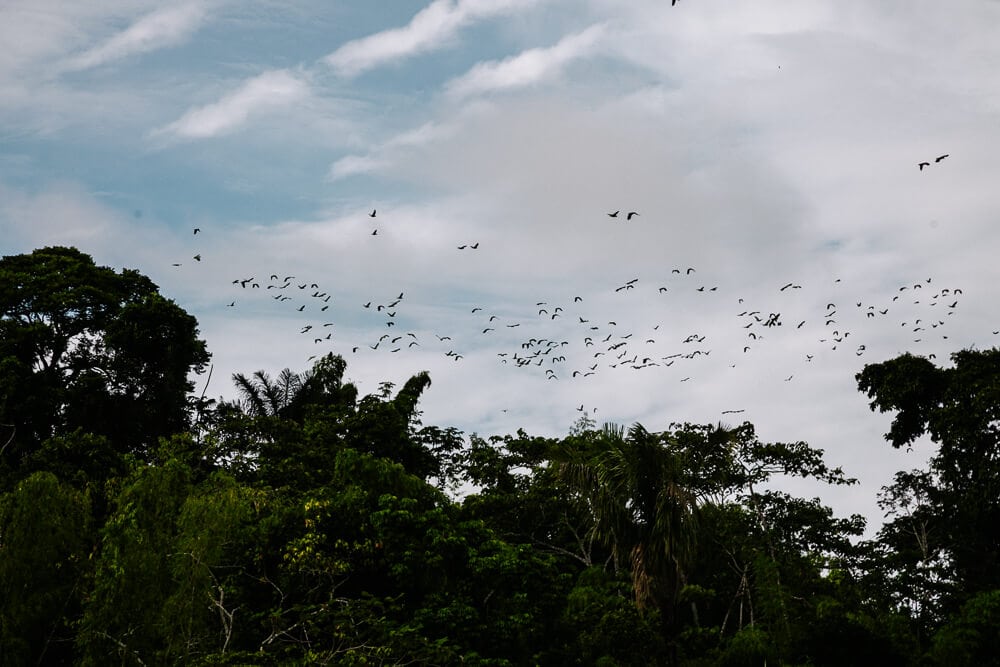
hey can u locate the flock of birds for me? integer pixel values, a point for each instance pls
(588, 345)
(567, 339)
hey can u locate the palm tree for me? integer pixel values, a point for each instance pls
(260, 396)
(289, 394)
(642, 509)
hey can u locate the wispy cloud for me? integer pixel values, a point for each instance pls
(269, 90)
(383, 156)
(426, 31)
(526, 68)
(157, 30)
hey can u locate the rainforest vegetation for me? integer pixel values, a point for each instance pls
(304, 523)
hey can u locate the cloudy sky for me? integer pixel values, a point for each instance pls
(769, 149)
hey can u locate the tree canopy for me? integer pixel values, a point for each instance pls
(303, 523)
(83, 347)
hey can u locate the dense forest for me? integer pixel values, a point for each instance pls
(303, 523)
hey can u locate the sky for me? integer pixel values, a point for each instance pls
(438, 177)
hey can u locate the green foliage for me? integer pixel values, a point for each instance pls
(301, 524)
(124, 616)
(972, 636)
(946, 520)
(44, 543)
(84, 347)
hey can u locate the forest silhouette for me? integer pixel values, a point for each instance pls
(303, 523)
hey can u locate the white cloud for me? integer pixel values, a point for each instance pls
(426, 31)
(159, 29)
(383, 156)
(269, 90)
(526, 68)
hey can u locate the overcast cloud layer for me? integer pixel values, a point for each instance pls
(769, 150)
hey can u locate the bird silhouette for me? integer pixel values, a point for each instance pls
(923, 164)
(197, 229)
(630, 215)
(374, 232)
(197, 258)
(372, 214)
(614, 215)
(940, 157)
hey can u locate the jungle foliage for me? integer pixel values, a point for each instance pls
(303, 523)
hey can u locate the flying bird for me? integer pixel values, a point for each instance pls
(372, 214)
(614, 215)
(630, 215)
(197, 229)
(940, 157)
(923, 164)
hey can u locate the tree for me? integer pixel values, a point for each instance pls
(44, 543)
(85, 347)
(643, 508)
(124, 615)
(959, 500)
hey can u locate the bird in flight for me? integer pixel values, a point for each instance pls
(630, 215)
(197, 229)
(923, 164)
(940, 157)
(374, 232)
(197, 258)
(614, 215)
(372, 214)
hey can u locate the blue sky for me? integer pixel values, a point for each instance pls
(761, 144)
